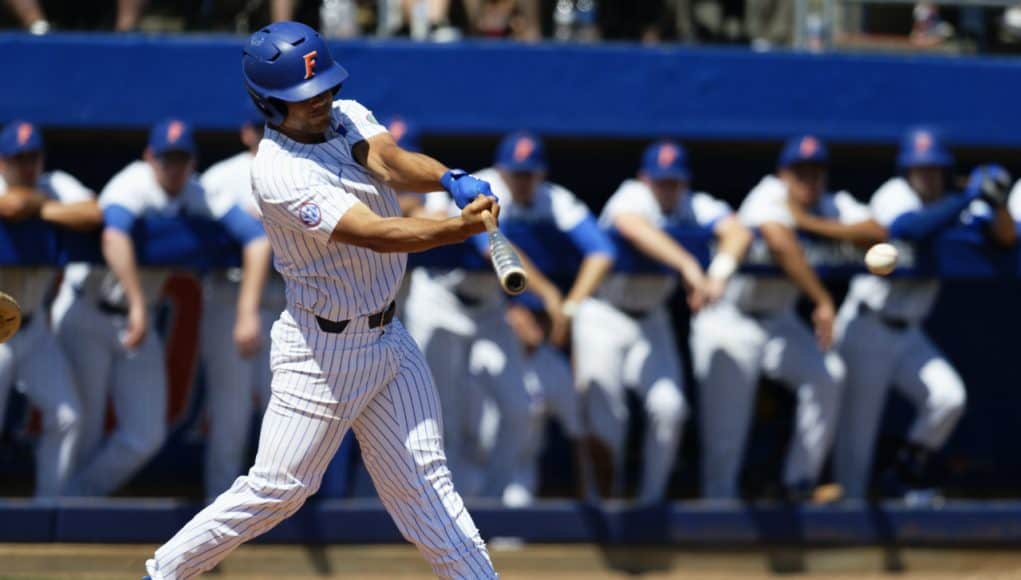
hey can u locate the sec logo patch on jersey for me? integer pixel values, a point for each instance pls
(310, 214)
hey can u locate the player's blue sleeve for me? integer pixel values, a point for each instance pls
(118, 217)
(241, 225)
(922, 223)
(588, 238)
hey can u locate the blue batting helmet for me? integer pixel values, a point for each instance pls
(923, 147)
(288, 62)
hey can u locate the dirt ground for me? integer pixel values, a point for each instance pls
(555, 562)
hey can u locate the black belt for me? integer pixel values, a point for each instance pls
(112, 309)
(891, 322)
(381, 318)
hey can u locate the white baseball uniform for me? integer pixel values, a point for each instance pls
(623, 338)
(232, 380)
(880, 338)
(372, 380)
(89, 316)
(34, 362)
(754, 329)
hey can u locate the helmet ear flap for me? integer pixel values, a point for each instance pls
(274, 110)
(279, 109)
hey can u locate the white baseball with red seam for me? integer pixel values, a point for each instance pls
(881, 259)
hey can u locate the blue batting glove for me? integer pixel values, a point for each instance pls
(463, 187)
(990, 182)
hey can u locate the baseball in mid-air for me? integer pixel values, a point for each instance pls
(881, 259)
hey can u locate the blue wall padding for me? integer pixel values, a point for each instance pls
(132, 81)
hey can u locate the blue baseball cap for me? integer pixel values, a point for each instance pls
(923, 147)
(666, 160)
(20, 137)
(172, 135)
(804, 149)
(521, 151)
(404, 133)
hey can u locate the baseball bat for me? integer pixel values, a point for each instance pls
(506, 262)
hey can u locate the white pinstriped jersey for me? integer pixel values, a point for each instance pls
(232, 179)
(303, 190)
(135, 189)
(28, 286)
(643, 292)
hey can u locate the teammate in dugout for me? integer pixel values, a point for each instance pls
(32, 360)
(457, 317)
(325, 178)
(549, 383)
(754, 328)
(623, 337)
(233, 350)
(879, 327)
(104, 316)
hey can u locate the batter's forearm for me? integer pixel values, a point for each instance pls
(119, 253)
(255, 264)
(416, 172)
(403, 170)
(593, 269)
(360, 227)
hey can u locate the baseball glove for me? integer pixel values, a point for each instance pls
(10, 317)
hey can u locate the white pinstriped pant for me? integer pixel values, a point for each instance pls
(375, 382)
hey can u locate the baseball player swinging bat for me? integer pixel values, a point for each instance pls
(506, 262)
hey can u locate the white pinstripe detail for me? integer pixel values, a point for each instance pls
(336, 281)
(372, 380)
(376, 383)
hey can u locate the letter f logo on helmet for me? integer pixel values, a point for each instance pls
(310, 63)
